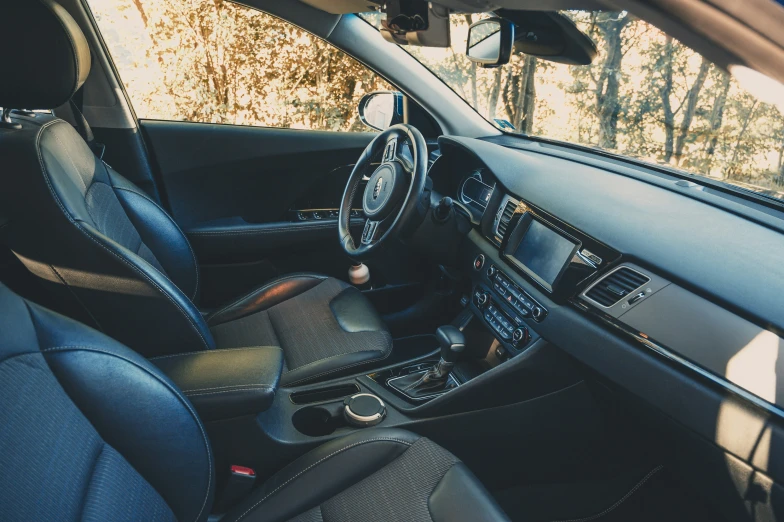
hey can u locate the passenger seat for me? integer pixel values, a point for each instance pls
(91, 431)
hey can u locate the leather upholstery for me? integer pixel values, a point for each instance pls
(99, 433)
(136, 411)
(226, 383)
(113, 258)
(95, 242)
(352, 476)
(47, 52)
(325, 327)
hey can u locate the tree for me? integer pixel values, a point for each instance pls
(715, 121)
(520, 93)
(646, 95)
(608, 105)
(226, 63)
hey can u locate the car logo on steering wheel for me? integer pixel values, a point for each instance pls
(377, 188)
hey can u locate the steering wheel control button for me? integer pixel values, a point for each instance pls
(479, 262)
(369, 232)
(364, 409)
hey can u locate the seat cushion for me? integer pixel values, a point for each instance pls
(325, 327)
(375, 474)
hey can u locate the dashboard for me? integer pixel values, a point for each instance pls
(672, 291)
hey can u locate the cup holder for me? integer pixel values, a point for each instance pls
(317, 421)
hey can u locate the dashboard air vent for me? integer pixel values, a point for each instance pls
(616, 285)
(504, 219)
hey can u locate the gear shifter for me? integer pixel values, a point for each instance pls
(435, 379)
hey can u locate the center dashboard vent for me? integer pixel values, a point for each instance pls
(615, 286)
(504, 218)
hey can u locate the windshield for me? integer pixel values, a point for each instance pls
(646, 96)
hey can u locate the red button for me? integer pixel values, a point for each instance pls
(242, 470)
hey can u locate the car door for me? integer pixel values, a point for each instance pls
(251, 129)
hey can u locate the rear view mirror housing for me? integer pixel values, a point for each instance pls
(490, 42)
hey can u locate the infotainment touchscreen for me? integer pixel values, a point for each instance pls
(543, 252)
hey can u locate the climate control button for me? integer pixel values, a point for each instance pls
(520, 337)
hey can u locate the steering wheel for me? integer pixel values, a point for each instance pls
(392, 200)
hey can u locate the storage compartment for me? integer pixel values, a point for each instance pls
(223, 384)
(317, 421)
(328, 393)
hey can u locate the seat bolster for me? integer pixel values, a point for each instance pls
(322, 474)
(460, 497)
(161, 235)
(355, 313)
(266, 297)
(135, 408)
(183, 328)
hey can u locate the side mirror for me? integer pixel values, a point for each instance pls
(490, 42)
(380, 110)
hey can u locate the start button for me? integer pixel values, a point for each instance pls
(479, 262)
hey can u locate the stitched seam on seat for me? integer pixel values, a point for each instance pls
(189, 354)
(228, 391)
(265, 287)
(249, 385)
(193, 254)
(619, 502)
(87, 234)
(182, 399)
(334, 369)
(341, 450)
(161, 290)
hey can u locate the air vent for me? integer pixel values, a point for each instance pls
(615, 286)
(505, 218)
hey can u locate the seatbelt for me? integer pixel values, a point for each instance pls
(82, 126)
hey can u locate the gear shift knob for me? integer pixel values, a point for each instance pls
(452, 342)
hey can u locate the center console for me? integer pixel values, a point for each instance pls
(503, 306)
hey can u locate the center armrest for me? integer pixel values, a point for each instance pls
(226, 383)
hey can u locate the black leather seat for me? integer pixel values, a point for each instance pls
(114, 259)
(92, 431)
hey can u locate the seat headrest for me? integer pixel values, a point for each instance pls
(43, 54)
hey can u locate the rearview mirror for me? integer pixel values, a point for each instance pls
(490, 42)
(382, 109)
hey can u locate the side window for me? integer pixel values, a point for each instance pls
(215, 61)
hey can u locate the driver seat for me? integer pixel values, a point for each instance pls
(114, 259)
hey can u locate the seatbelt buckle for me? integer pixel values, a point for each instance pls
(241, 481)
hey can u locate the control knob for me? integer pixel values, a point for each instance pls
(520, 336)
(492, 271)
(481, 299)
(537, 313)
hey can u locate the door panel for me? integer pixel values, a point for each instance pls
(217, 172)
(239, 194)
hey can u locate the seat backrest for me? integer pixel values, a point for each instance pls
(89, 430)
(112, 257)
